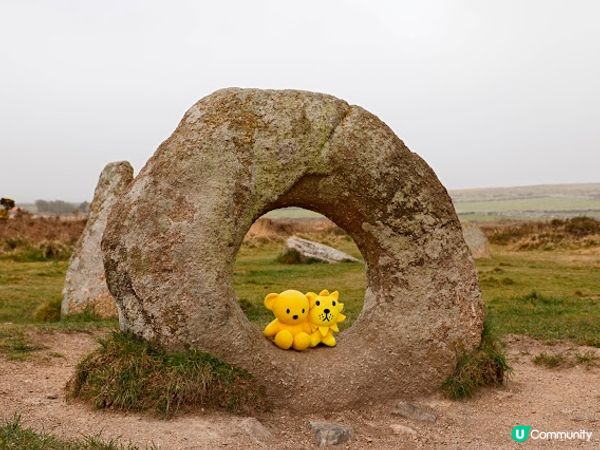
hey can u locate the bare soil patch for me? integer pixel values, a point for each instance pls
(565, 398)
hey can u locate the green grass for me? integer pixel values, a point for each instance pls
(549, 361)
(549, 318)
(525, 205)
(13, 435)
(24, 286)
(258, 273)
(15, 344)
(566, 305)
(486, 366)
(127, 373)
(587, 359)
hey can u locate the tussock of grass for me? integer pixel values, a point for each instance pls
(127, 373)
(588, 359)
(486, 366)
(49, 311)
(293, 256)
(565, 360)
(549, 361)
(15, 436)
(15, 345)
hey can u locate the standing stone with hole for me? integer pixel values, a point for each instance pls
(171, 241)
(85, 283)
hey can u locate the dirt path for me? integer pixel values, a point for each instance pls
(564, 399)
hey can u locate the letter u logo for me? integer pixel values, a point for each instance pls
(520, 433)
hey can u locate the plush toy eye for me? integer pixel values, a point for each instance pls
(318, 303)
(287, 310)
(333, 303)
(302, 310)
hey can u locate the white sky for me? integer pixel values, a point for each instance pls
(490, 93)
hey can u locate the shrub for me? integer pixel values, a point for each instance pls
(486, 366)
(127, 373)
(49, 311)
(293, 256)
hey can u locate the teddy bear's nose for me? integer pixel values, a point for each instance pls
(295, 316)
(326, 310)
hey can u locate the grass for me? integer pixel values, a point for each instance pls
(552, 361)
(258, 273)
(15, 344)
(486, 366)
(13, 435)
(549, 318)
(549, 361)
(127, 373)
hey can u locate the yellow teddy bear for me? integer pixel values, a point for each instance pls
(324, 315)
(290, 328)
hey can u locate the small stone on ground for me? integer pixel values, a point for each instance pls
(414, 412)
(256, 430)
(328, 433)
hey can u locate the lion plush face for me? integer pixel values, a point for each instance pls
(325, 309)
(290, 307)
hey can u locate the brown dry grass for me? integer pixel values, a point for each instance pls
(573, 233)
(34, 238)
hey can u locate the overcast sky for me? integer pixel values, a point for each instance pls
(490, 93)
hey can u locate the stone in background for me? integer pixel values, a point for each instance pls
(85, 283)
(476, 241)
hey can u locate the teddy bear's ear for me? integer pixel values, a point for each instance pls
(270, 300)
(335, 295)
(324, 293)
(312, 297)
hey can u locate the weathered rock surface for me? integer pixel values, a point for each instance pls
(414, 412)
(171, 241)
(328, 433)
(476, 241)
(256, 430)
(85, 283)
(316, 251)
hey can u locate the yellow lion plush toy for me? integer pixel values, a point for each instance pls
(324, 315)
(290, 328)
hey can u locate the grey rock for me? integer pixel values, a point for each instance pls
(403, 430)
(415, 412)
(328, 433)
(256, 430)
(171, 241)
(476, 241)
(85, 282)
(314, 250)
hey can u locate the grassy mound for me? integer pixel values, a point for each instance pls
(127, 373)
(486, 366)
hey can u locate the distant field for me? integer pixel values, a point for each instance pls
(519, 203)
(492, 204)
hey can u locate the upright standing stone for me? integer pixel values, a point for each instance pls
(85, 284)
(476, 241)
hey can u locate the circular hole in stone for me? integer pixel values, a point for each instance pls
(263, 265)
